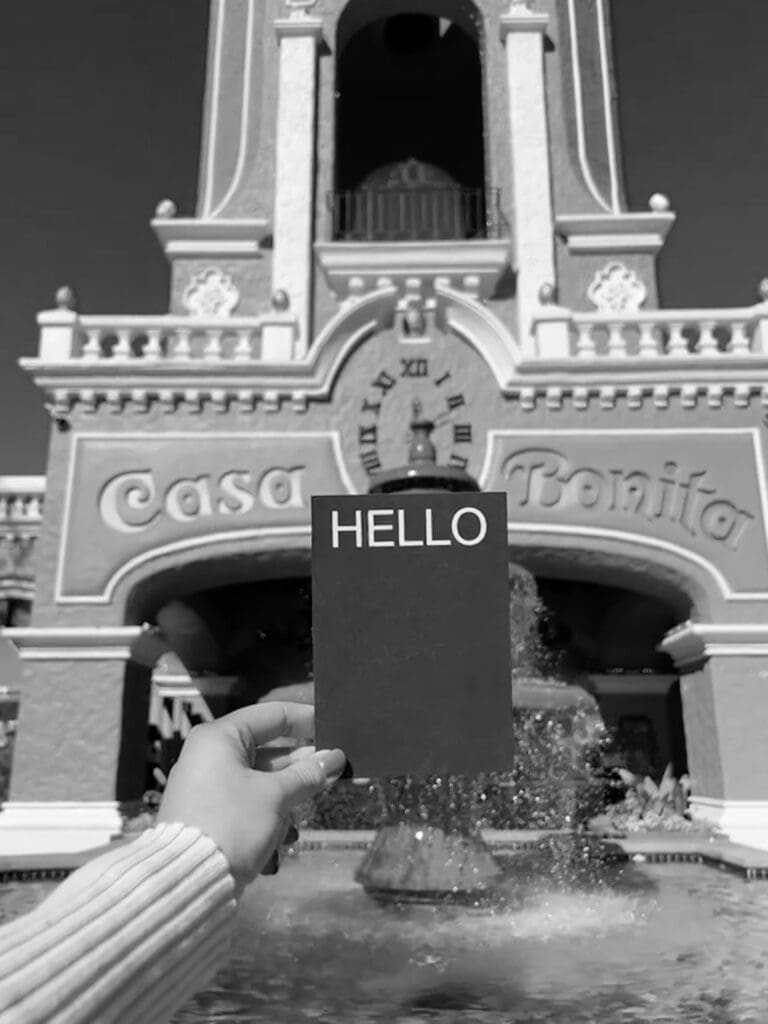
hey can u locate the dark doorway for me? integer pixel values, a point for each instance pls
(409, 120)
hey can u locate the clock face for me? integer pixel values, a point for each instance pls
(389, 383)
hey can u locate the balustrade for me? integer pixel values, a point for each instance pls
(666, 334)
(167, 338)
(414, 214)
(21, 500)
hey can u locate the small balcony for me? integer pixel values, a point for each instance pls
(417, 214)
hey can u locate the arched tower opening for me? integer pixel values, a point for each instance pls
(410, 158)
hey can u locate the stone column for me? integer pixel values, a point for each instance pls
(81, 743)
(522, 32)
(724, 690)
(292, 258)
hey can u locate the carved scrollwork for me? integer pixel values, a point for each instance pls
(617, 289)
(211, 293)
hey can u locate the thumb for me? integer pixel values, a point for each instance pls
(309, 775)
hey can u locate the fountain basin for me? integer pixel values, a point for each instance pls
(633, 943)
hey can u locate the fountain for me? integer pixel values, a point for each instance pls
(429, 847)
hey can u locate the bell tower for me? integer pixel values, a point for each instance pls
(350, 141)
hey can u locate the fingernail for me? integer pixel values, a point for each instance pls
(333, 761)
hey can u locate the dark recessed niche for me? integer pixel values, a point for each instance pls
(410, 34)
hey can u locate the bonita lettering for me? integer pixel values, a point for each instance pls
(546, 479)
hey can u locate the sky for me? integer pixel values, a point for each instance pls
(100, 113)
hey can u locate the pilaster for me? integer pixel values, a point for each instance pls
(522, 32)
(81, 742)
(299, 35)
(724, 690)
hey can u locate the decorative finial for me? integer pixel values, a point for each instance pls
(280, 301)
(762, 290)
(659, 203)
(165, 209)
(547, 294)
(66, 298)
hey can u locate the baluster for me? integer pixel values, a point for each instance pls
(17, 507)
(212, 350)
(381, 215)
(122, 349)
(739, 343)
(677, 344)
(616, 344)
(585, 343)
(648, 345)
(92, 347)
(181, 348)
(358, 215)
(3, 508)
(707, 343)
(34, 508)
(152, 348)
(242, 351)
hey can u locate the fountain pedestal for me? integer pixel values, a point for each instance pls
(425, 864)
(434, 853)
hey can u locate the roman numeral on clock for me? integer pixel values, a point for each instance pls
(413, 368)
(384, 382)
(374, 407)
(443, 379)
(370, 461)
(455, 401)
(458, 461)
(462, 433)
(368, 435)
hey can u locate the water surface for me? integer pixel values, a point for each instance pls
(661, 944)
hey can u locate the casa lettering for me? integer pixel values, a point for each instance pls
(132, 502)
(545, 479)
(397, 528)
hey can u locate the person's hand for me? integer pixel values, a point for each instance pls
(238, 791)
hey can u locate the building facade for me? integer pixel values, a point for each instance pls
(402, 204)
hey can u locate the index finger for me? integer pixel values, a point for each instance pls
(260, 723)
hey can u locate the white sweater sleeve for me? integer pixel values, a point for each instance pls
(126, 939)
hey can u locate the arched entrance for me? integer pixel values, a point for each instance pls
(239, 628)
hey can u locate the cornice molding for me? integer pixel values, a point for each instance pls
(299, 26)
(196, 238)
(613, 233)
(356, 267)
(194, 388)
(60, 643)
(692, 643)
(520, 19)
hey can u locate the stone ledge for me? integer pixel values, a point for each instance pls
(651, 848)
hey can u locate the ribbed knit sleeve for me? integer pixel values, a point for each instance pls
(126, 939)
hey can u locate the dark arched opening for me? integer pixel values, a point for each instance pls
(410, 160)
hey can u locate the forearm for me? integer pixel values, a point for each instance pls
(126, 938)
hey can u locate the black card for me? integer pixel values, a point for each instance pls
(410, 609)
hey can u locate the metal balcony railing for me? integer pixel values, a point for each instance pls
(415, 214)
